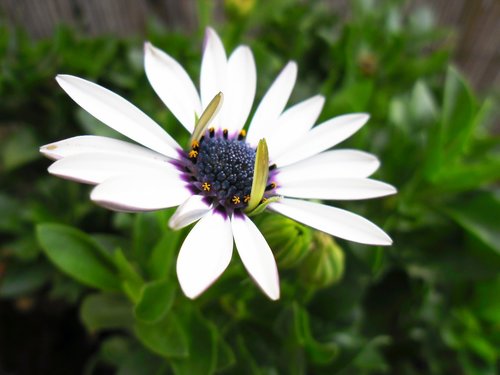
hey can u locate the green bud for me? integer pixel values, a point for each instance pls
(289, 240)
(324, 264)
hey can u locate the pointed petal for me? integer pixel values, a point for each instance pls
(272, 104)
(173, 85)
(89, 144)
(119, 114)
(205, 254)
(213, 67)
(141, 192)
(336, 188)
(193, 209)
(332, 220)
(322, 137)
(239, 89)
(294, 124)
(97, 167)
(256, 256)
(330, 164)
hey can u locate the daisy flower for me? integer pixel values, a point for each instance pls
(225, 174)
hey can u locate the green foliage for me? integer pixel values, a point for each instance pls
(428, 304)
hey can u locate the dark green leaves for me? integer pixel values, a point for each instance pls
(76, 254)
(155, 301)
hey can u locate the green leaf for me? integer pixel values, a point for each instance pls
(202, 358)
(20, 278)
(19, 148)
(260, 175)
(162, 259)
(78, 255)
(459, 110)
(320, 353)
(422, 103)
(207, 116)
(167, 337)
(480, 216)
(106, 311)
(225, 355)
(155, 301)
(132, 281)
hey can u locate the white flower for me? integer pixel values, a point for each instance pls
(212, 179)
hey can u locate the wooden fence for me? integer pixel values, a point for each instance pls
(477, 23)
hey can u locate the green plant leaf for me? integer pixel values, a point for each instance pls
(458, 113)
(162, 259)
(131, 280)
(106, 311)
(156, 299)
(78, 255)
(202, 358)
(480, 216)
(166, 337)
(321, 353)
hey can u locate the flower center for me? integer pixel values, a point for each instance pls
(221, 168)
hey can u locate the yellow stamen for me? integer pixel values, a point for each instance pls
(236, 199)
(193, 154)
(206, 186)
(195, 144)
(246, 198)
(243, 133)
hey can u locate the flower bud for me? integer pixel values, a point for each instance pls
(239, 8)
(289, 240)
(324, 264)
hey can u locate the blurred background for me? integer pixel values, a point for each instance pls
(426, 71)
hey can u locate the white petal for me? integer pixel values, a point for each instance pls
(205, 254)
(88, 144)
(256, 255)
(332, 220)
(213, 67)
(336, 188)
(330, 164)
(118, 114)
(97, 167)
(173, 85)
(272, 104)
(193, 209)
(293, 124)
(141, 192)
(322, 137)
(239, 89)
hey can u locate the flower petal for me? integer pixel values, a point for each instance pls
(205, 254)
(213, 67)
(335, 221)
(193, 209)
(256, 255)
(88, 144)
(336, 188)
(330, 164)
(97, 167)
(141, 192)
(118, 114)
(239, 89)
(173, 85)
(293, 124)
(322, 137)
(272, 104)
